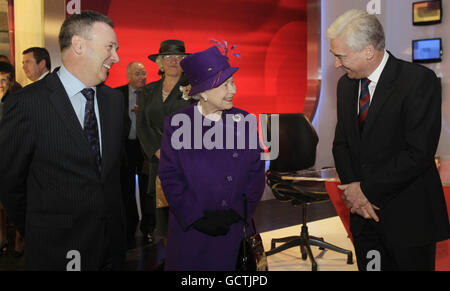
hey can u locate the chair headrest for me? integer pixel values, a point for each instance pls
(297, 143)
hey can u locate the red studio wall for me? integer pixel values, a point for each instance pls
(270, 36)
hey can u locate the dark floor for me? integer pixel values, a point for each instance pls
(269, 215)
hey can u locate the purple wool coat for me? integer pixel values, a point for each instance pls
(195, 180)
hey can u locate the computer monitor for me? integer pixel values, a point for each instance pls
(427, 12)
(427, 50)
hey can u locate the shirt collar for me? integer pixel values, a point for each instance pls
(131, 89)
(375, 76)
(43, 75)
(72, 85)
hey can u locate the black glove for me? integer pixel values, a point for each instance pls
(209, 227)
(223, 217)
(216, 223)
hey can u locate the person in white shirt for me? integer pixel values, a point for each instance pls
(387, 133)
(137, 76)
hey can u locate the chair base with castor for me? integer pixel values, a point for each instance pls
(305, 241)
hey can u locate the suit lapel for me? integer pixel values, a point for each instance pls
(160, 115)
(127, 100)
(58, 97)
(351, 101)
(106, 128)
(383, 91)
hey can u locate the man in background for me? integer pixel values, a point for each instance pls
(36, 63)
(134, 157)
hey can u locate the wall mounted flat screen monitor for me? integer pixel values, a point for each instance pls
(427, 50)
(427, 12)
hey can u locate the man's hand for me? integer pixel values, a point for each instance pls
(367, 211)
(135, 108)
(357, 202)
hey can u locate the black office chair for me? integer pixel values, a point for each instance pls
(297, 154)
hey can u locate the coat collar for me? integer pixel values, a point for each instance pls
(350, 103)
(108, 132)
(60, 100)
(383, 91)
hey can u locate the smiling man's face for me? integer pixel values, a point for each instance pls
(354, 63)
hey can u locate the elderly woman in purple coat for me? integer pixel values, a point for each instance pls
(209, 159)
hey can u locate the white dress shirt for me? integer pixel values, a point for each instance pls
(132, 101)
(43, 75)
(374, 78)
(73, 88)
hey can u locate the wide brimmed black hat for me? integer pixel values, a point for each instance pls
(170, 47)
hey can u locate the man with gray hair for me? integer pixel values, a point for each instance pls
(137, 76)
(387, 133)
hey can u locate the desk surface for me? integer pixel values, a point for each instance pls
(325, 175)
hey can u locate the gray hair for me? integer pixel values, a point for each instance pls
(158, 61)
(359, 28)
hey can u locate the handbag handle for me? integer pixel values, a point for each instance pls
(244, 249)
(245, 216)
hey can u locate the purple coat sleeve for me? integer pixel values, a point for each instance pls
(255, 185)
(173, 181)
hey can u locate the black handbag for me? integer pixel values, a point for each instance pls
(251, 256)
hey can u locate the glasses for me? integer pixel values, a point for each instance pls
(173, 57)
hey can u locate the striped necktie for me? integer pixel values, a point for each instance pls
(91, 126)
(364, 101)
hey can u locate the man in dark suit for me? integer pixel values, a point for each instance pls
(60, 147)
(387, 133)
(134, 157)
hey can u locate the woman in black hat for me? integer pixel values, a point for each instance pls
(157, 100)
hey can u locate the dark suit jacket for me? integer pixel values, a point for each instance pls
(153, 111)
(393, 157)
(50, 186)
(126, 116)
(1, 110)
(137, 156)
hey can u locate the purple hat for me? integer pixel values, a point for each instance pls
(206, 69)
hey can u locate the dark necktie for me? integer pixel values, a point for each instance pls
(364, 101)
(138, 93)
(91, 126)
